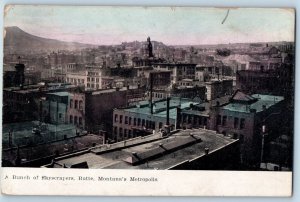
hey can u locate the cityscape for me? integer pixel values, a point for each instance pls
(147, 104)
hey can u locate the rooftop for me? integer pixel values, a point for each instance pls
(160, 106)
(159, 154)
(61, 94)
(262, 101)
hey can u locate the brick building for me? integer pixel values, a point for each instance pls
(147, 117)
(247, 118)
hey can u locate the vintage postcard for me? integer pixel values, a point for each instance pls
(142, 101)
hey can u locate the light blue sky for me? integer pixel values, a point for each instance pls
(112, 25)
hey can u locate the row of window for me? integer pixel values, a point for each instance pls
(195, 120)
(92, 85)
(238, 123)
(76, 120)
(74, 80)
(76, 104)
(136, 122)
(92, 79)
(125, 133)
(157, 95)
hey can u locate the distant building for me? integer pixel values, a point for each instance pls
(192, 92)
(277, 82)
(179, 70)
(218, 88)
(77, 78)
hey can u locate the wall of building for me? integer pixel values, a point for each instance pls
(99, 107)
(126, 123)
(76, 109)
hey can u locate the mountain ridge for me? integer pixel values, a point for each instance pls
(17, 40)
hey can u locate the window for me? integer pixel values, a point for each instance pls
(153, 124)
(143, 122)
(224, 120)
(236, 122)
(80, 104)
(242, 124)
(200, 121)
(80, 120)
(88, 79)
(75, 119)
(121, 118)
(125, 133)
(115, 130)
(97, 80)
(120, 131)
(129, 122)
(126, 119)
(71, 119)
(129, 133)
(189, 119)
(139, 122)
(134, 121)
(195, 120)
(71, 103)
(76, 104)
(204, 121)
(116, 118)
(60, 115)
(219, 120)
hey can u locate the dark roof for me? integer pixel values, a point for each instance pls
(239, 96)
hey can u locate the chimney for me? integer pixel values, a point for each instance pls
(104, 137)
(178, 117)
(206, 151)
(168, 111)
(151, 90)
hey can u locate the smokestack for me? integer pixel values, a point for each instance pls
(168, 113)
(151, 90)
(103, 137)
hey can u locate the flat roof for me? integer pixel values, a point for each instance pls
(159, 107)
(263, 100)
(159, 154)
(62, 94)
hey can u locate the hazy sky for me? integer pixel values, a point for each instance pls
(172, 26)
